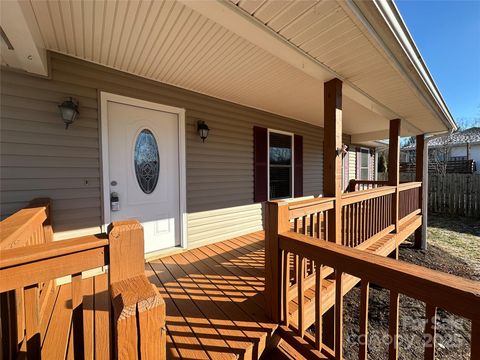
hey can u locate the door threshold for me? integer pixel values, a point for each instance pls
(155, 255)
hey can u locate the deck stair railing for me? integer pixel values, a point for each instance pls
(306, 275)
(29, 260)
(437, 290)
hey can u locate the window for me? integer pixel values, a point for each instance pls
(146, 161)
(280, 162)
(364, 162)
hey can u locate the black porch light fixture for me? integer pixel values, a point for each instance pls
(69, 111)
(202, 129)
(342, 151)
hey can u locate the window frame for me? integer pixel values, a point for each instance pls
(362, 151)
(292, 165)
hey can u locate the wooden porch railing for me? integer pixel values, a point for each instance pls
(30, 259)
(366, 214)
(436, 289)
(357, 185)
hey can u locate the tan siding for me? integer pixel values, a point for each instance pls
(352, 159)
(41, 158)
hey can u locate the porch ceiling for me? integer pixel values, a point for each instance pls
(272, 55)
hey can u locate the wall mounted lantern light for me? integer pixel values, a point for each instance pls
(202, 129)
(342, 151)
(69, 111)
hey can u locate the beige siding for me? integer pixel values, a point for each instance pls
(41, 158)
(352, 160)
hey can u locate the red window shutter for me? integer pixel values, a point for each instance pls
(298, 165)
(260, 163)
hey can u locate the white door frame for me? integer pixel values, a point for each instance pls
(104, 99)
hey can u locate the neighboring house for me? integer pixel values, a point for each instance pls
(460, 151)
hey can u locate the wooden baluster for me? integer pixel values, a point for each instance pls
(32, 321)
(355, 224)
(430, 330)
(304, 225)
(338, 315)
(77, 316)
(475, 340)
(325, 224)
(393, 325)
(318, 307)
(286, 286)
(295, 225)
(363, 334)
(312, 223)
(301, 298)
(319, 225)
(349, 225)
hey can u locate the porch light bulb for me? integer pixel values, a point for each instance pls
(202, 129)
(69, 111)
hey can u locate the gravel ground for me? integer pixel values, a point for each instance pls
(454, 247)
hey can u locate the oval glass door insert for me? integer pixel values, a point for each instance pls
(146, 161)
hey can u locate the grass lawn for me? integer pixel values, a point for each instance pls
(453, 247)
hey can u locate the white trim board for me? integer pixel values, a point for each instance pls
(105, 97)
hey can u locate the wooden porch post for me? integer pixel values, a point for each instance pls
(332, 159)
(394, 171)
(332, 178)
(421, 174)
(277, 222)
(138, 308)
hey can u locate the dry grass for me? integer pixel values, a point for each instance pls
(453, 247)
(457, 236)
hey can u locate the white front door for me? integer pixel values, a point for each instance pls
(144, 171)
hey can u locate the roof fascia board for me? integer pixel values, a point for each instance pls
(392, 18)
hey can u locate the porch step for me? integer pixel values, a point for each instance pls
(382, 246)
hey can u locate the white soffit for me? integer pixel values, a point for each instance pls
(170, 42)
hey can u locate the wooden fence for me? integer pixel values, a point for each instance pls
(455, 194)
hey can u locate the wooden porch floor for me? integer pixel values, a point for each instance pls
(214, 302)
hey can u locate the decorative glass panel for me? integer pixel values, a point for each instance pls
(280, 166)
(147, 161)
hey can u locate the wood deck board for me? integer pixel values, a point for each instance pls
(201, 326)
(237, 305)
(181, 340)
(214, 300)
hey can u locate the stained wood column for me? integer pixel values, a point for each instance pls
(332, 160)
(394, 172)
(277, 222)
(332, 178)
(421, 174)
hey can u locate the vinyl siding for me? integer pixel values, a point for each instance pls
(39, 158)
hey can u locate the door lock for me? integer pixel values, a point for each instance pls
(114, 202)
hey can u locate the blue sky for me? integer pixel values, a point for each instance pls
(447, 32)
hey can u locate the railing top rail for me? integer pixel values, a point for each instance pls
(409, 185)
(17, 228)
(357, 196)
(32, 253)
(369, 181)
(309, 206)
(308, 202)
(452, 293)
(33, 264)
